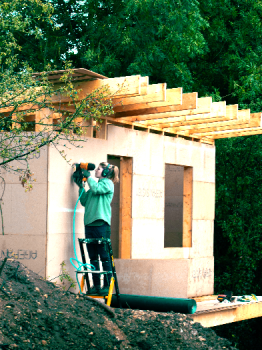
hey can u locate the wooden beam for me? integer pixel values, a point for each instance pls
(155, 93)
(231, 113)
(189, 101)
(144, 84)
(101, 131)
(204, 106)
(248, 120)
(228, 313)
(242, 121)
(14, 124)
(217, 112)
(87, 127)
(125, 212)
(117, 87)
(237, 133)
(43, 120)
(173, 98)
(215, 122)
(21, 108)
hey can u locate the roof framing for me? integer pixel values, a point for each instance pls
(154, 108)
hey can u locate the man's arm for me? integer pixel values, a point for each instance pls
(100, 187)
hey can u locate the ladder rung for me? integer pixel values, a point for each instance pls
(95, 240)
(91, 271)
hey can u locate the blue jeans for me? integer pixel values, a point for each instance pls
(95, 250)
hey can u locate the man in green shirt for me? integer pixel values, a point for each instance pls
(97, 219)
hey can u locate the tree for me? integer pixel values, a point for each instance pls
(21, 95)
(116, 38)
(238, 216)
(232, 63)
(20, 24)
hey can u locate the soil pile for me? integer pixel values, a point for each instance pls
(35, 314)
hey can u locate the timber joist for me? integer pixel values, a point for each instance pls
(191, 117)
(153, 108)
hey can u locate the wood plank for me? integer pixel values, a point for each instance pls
(242, 121)
(44, 120)
(231, 113)
(173, 99)
(144, 84)
(21, 108)
(125, 210)
(101, 131)
(251, 120)
(76, 72)
(57, 115)
(187, 207)
(14, 124)
(228, 314)
(117, 87)
(189, 101)
(218, 110)
(237, 133)
(155, 93)
(87, 127)
(203, 106)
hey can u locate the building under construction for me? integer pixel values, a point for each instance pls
(163, 141)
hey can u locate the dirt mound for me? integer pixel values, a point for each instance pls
(35, 314)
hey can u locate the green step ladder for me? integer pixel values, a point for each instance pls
(85, 278)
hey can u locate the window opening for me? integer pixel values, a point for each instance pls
(178, 206)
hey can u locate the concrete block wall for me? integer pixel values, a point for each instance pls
(181, 272)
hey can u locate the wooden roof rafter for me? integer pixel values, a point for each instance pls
(154, 108)
(228, 115)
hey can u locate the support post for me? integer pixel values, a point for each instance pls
(43, 120)
(101, 133)
(125, 212)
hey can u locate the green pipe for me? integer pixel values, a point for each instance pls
(159, 304)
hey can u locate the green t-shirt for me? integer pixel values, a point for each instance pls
(97, 200)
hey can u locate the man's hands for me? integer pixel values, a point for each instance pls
(79, 182)
(86, 173)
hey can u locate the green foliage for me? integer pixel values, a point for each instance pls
(65, 277)
(213, 47)
(155, 38)
(20, 26)
(234, 36)
(238, 240)
(244, 335)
